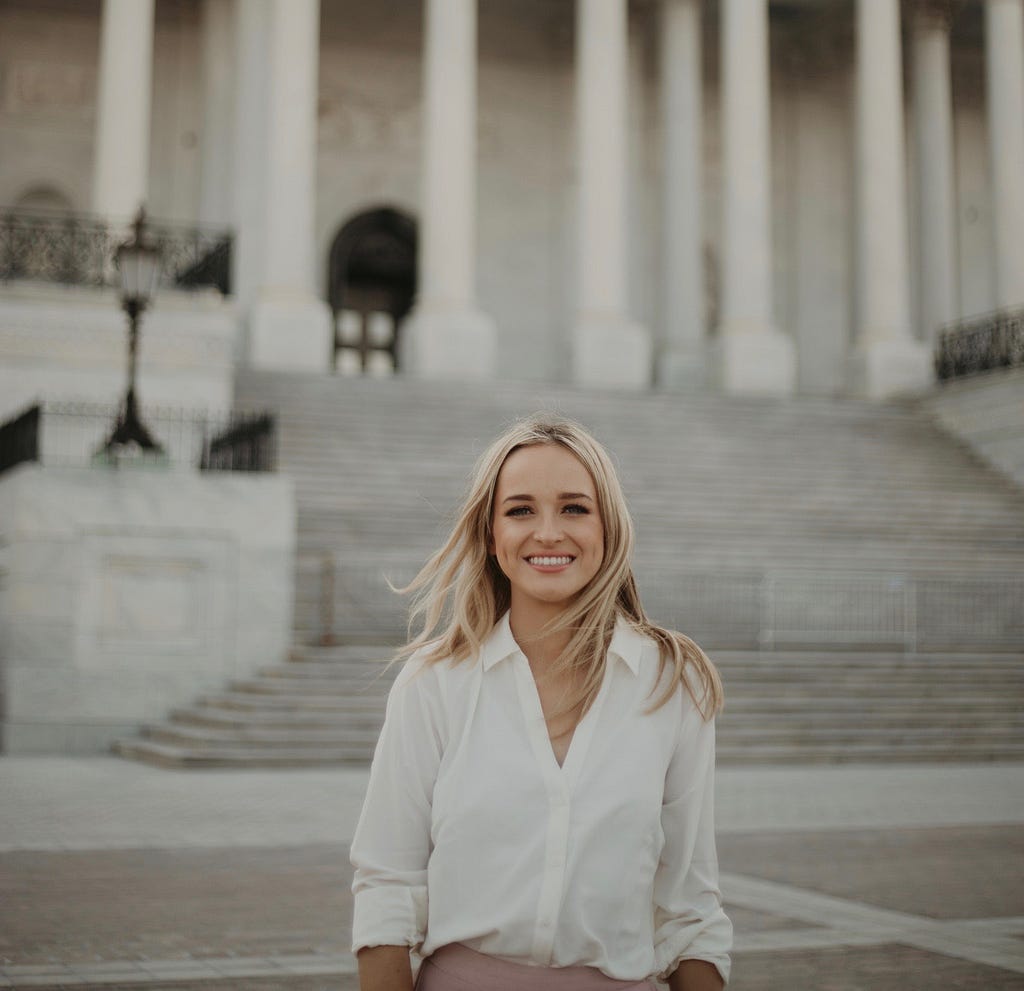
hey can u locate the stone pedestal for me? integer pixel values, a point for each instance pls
(289, 331)
(612, 353)
(441, 343)
(130, 591)
(758, 362)
(883, 369)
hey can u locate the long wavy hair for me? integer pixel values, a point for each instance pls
(460, 593)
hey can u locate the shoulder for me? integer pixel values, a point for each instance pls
(424, 673)
(663, 676)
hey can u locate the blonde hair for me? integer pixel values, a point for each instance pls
(460, 593)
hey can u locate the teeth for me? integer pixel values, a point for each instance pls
(550, 562)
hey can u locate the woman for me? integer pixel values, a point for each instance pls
(540, 806)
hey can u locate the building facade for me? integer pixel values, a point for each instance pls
(759, 197)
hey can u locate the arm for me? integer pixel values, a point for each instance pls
(391, 846)
(693, 935)
(384, 968)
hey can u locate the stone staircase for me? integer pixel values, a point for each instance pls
(857, 575)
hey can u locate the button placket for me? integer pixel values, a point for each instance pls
(556, 855)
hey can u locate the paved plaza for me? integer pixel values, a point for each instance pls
(845, 878)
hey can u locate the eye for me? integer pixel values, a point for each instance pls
(519, 511)
(576, 509)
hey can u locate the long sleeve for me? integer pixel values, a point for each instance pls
(392, 840)
(689, 922)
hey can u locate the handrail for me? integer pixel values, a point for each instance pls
(980, 343)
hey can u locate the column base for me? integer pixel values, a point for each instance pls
(885, 369)
(611, 352)
(754, 363)
(681, 371)
(290, 333)
(449, 344)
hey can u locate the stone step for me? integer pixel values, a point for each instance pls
(753, 736)
(166, 755)
(296, 717)
(237, 757)
(744, 755)
(247, 701)
(801, 489)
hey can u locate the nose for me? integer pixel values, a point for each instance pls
(549, 528)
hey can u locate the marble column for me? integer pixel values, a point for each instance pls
(252, 52)
(933, 132)
(217, 30)
(886, 360)
(289, 325)
(123, 106)
(447, 335)
(1004, 43)
(750, 355)
(681, 362)
(608, 348)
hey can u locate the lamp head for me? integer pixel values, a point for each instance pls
(138, 260)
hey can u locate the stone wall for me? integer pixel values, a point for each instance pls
(60, 343)
(986, 412)
(126, 592)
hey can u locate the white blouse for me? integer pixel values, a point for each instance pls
(472, 833)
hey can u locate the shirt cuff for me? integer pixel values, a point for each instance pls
(707, 940)
(389, 915)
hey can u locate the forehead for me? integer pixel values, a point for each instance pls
(544, 467)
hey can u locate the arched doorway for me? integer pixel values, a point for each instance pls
(371, 281)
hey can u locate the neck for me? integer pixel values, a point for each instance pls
(542, 650)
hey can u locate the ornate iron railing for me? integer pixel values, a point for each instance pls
(19, 439)
(75, 435)
(248, 444)
(994, 340)
(79, 249)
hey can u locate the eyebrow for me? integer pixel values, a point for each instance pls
(564, 495)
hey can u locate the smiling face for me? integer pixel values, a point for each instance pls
(548, 537)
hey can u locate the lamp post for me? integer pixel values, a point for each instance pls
(138, 261)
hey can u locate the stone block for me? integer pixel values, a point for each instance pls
(127, 592)
(449, 344)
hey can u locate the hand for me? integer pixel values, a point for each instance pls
(384, 968)
(696, 975)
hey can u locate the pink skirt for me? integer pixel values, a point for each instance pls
(458, 968)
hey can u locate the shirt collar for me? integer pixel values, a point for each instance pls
(627, 644)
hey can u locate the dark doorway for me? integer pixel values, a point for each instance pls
(371, 282)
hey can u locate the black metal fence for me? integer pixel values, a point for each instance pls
(19, 439)
(79, 249)
(245, 444)
(75, 435)
(994, 340)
